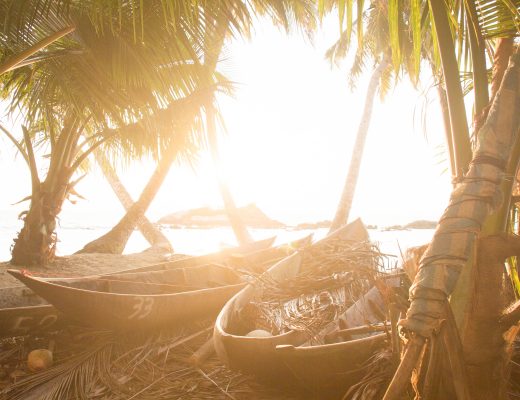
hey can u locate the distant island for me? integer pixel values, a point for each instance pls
(314, 225)
(206, 217)
(253, 217)
(419, 224)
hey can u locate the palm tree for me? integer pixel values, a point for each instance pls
(102, 84)
(373, 45)
(349, 187)
(151, 233)
(477, 298)
(115, 240)
(220, 27)
(216, 43)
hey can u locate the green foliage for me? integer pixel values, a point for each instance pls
(498, 18)
(405, 28)
(125, 62)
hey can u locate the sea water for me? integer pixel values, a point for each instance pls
(72, 238)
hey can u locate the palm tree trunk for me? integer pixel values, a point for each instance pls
(450, 70)
(451, 253)
(238, 226)
(503, 50)
(477, 47)
(216, 42)
(487, 343)
(349, 188)
(447, 126)
(115, 240)
(36, 242)
(151, 233)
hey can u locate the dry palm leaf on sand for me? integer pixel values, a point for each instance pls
(110, 366)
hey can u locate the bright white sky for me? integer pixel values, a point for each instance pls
(291, 127)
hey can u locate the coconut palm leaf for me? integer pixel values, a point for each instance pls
(104, 80)
(498, 18)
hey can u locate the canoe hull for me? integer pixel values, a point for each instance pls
(333, 368)
(259, 356)
(23, 312)
(120, 311)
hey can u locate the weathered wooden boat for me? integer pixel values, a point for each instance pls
(263, 247)
(333, 367)
(256, 255)
(22, 311)
(263, 356)
(135, 300)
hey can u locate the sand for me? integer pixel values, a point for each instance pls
(90, 264)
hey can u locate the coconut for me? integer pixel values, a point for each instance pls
(259, 333)
(39, 359)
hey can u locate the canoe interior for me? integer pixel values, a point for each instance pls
(237, 350)
(235, 323)
(156, 282)
(332, 368)
(218, 257)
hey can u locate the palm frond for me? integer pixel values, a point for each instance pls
(499, 18)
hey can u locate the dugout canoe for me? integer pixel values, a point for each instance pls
(331, 369)
(263, 246)
(138, 300)
(23, 312)
(21, 304)
(18, 317)
(259, 355)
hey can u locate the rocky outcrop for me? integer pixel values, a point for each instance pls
(206, 217)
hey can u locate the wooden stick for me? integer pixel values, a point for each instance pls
(201, 355)
(451, 339)
(184, 340)
(394, 334)
(402, 376)
(358, 330)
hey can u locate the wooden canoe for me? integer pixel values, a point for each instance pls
(138, 300)
(259, 355)
(23, 312)
(14, 310)
(263, 247)
(331, 369)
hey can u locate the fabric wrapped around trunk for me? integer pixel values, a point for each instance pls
(473, 199)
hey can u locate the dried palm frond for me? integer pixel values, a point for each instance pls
(72, 378)
(333, 275)
(144, 366)
(379, 370)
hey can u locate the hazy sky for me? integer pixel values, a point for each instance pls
(291, 127)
